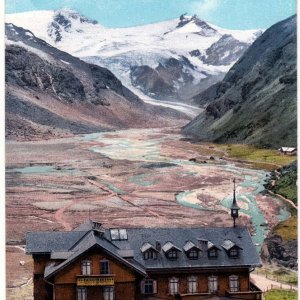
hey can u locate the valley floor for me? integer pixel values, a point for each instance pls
(128, 178)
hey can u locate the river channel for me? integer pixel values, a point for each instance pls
(145, 145)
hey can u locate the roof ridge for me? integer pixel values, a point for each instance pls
(87, 247)
(80, 240)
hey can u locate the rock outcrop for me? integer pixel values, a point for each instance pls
(284, 253)
(256, 101)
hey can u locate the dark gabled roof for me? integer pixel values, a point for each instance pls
(91, 240)
(179, 236)
(89, 225)
(169, 246)
(61, 254)
(46, 242)
(228, 244)
(129, 251)
(147, 246)
(211, 245)
(189, 246)
(85, 226)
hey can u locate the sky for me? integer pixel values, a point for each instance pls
(231, 14)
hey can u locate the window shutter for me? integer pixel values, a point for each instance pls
(154, 286)
(143, 286)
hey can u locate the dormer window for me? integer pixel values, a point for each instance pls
(191, 250)
(149, 252)
(231, 249)
(212, 250)
(212, 253)
(172, 254)
(234, 252)
(170, 250)
(193, 254)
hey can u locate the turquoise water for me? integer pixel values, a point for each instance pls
(113, 188)
(35, 169)
(42, 169)
(142, 181)
(255, 182)
(135, 149)
(284, 214)
(180, 198)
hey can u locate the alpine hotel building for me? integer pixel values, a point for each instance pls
(94, 263)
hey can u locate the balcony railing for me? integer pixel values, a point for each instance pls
(95, 280)
(253, 294)
(195, 296)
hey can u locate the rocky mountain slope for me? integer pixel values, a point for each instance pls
(49, 92)
(281, 244)
(171, 60)
(284, 182)
(256, 101)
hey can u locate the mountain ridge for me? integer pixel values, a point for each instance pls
(148, 46)
(255, 103)
(51, 93)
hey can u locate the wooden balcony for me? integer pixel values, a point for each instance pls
(254, 294)
(195, 296)
(95, 280)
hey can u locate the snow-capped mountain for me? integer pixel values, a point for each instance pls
(50, 93)
(169, 60)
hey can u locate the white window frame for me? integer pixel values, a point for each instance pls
(86, 267)
(172, 254)
(150, 254)
(234, 283)
(118, 234)
(81, 293)
(194, 255)
(192, 284)
(123, 234)
(173, 285)
(234, 252)
(213, 253)
(108, 293)
(212, 284)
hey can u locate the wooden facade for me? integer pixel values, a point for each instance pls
(64, 284)
(100, 265)
(126, 284)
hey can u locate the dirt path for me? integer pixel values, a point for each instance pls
(59, 217)
(266, 284)
(103, 187)
(21, 285)
(16, 246)
(285, 199)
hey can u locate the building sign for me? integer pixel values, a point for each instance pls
(95, 281)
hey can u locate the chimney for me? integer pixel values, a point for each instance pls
(158, 246)
(98, 228)
(203, 244)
